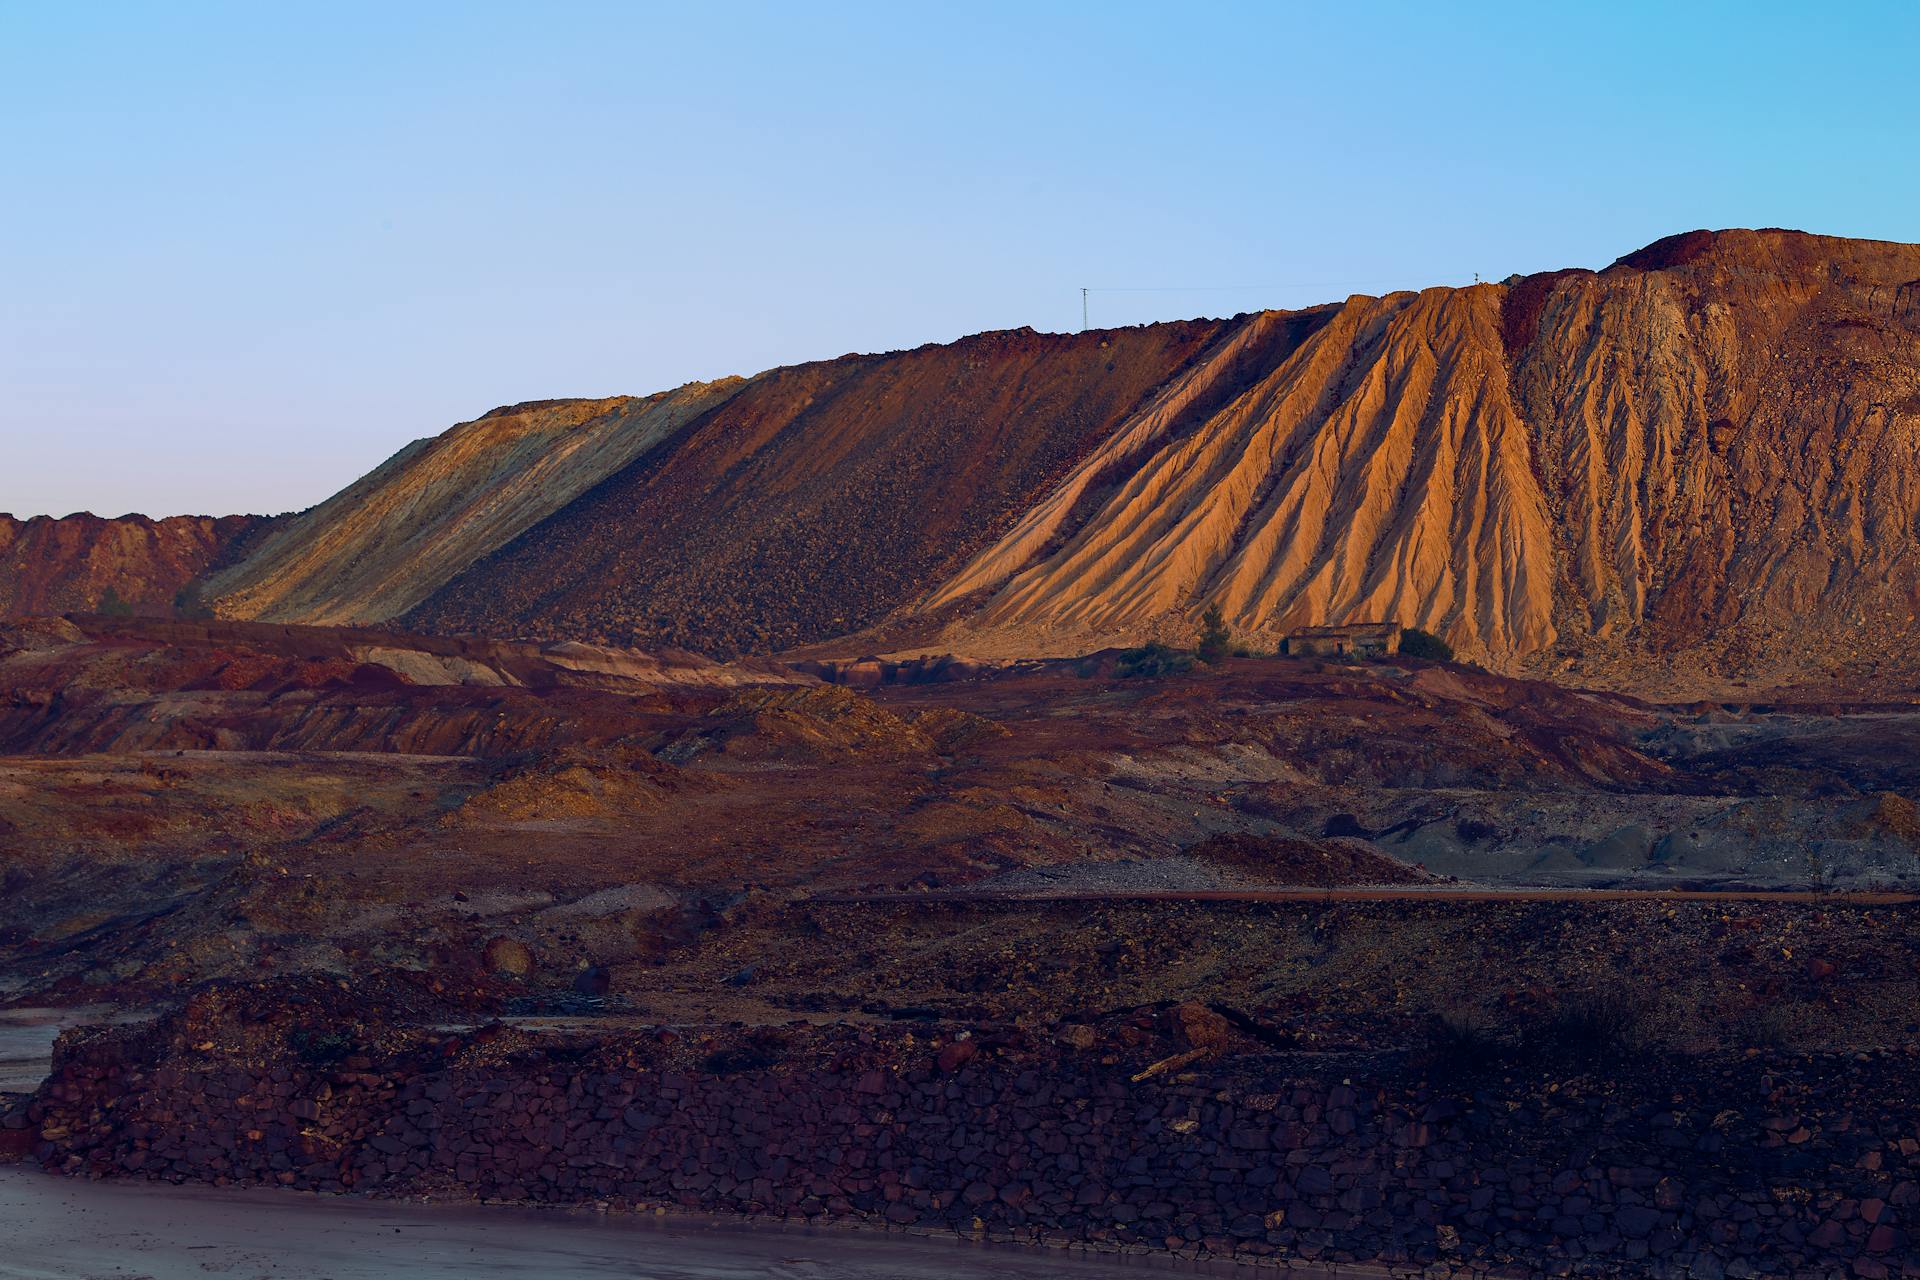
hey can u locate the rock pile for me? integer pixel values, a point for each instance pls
(1757, 1166)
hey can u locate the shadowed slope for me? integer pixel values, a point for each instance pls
(386, 542)
(820, 496)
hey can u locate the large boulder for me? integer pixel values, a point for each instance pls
(507, 957)
(1198, 1027)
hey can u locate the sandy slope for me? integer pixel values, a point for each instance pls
(1708, 455)
(1377, 472)
(393, 537)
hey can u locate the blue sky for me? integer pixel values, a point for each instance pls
(248, 250)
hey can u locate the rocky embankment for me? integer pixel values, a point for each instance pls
(1165, 1132)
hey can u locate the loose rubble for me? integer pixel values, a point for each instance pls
(1743, 1165)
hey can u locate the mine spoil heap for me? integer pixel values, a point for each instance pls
(829, 742)
(1697, 465)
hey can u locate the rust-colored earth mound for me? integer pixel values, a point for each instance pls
(1695, 469)
(1705, 460)
(1697, 466)
(397, 534)
(70, 564)
(818, 498)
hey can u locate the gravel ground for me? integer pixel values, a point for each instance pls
(57, 1228)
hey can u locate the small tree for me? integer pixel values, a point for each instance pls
(1215, 640)
(113, 606)
(1415, 643)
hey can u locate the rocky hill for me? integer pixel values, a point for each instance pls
(50, 565)
(1700, 465)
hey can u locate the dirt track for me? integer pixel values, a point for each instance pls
(56, 1227)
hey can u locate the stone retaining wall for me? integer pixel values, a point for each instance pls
(1759, 1166)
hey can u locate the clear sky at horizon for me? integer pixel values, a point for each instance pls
(247, 251)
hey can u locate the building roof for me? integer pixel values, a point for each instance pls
(1353, 630)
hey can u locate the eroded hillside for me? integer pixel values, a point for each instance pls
(1693, 470)
(1377, 471)
(1729, 430)
(1706, 457)
(50, 565)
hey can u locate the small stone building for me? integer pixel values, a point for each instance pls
(1352, 640)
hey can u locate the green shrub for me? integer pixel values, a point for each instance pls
(1600, 1026)
(113, 606)
(188, 604)
(1151, 661)
(1215, 639)
(764, 1048)
(1415, 643)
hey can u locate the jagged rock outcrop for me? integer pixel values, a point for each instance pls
(70, 564)
(393, 537)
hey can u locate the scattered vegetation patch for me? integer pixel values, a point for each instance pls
(1582, 1029)
(1593, 1027)
(1462, 1042)
(318, 1047)
(1415, 643)
(1151, 661)
(188, 604)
